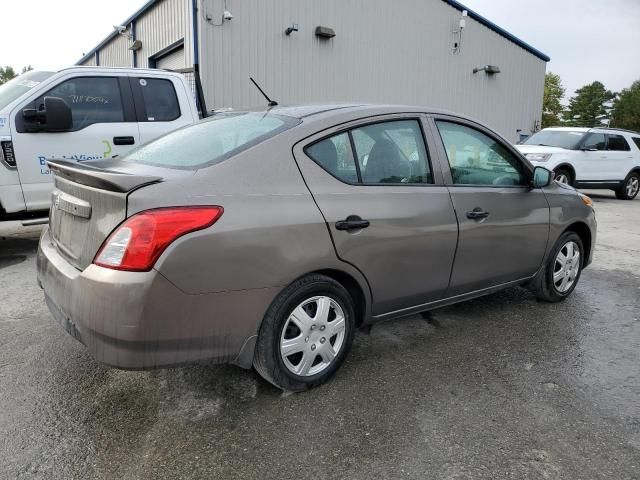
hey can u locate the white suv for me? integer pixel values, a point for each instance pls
(589, 157)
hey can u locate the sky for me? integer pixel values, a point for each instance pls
(587, 40)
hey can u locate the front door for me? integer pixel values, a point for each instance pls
(104, 125)
(387, 212)
(504, 224)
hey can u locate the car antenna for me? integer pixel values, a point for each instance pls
(272, 103)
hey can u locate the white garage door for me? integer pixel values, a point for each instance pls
(172, 61)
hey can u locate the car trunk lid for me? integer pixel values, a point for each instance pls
(88, 202)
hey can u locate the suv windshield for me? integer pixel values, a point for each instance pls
(556, 138)
(20, 85)
(212, 140)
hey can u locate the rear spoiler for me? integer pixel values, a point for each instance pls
(101, 178)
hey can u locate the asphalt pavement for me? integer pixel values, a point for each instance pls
(499, 387)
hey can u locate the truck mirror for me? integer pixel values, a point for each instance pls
(54, 117)
(57, 115)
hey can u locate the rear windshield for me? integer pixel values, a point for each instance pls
(211, 141)
(20, 85)
(556, 138)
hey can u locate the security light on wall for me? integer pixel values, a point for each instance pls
(122, 30)
(488, 69)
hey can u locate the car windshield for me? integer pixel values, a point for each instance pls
(556, 138)
(20, 85)
(212, 140)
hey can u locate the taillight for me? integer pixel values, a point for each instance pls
(138, 242)
(8, 157)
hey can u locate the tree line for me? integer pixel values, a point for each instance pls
(7, 73)
(591, 106)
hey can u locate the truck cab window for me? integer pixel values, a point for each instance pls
(160, 100)
(91, 99)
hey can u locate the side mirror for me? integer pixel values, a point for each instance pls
(589, 148)
(54, 117)
(541, 177)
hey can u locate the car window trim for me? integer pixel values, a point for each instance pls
(355, 124)
(444, 159)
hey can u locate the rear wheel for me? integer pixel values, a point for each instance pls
(561, 272)
(563, 175)
(630, 188)
(306, 334)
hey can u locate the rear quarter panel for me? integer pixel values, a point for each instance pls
(271, 231)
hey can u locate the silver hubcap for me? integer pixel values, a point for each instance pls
(632, 186)
(566, 267)
(312, 336)
(562, 178)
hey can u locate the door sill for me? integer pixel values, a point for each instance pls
(449, 300)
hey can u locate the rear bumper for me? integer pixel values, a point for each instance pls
(140, 320)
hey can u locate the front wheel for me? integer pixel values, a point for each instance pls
(561, 272)
(306, 334)
(562, 175)
(630, 188)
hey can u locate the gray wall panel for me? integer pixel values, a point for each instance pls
(390, 52)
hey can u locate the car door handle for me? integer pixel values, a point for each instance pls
(352, 222)
(123, 140)
(477, 214)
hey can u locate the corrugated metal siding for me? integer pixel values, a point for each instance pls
(116, 53)
(390, 52)
(91, 61)
(163, 25)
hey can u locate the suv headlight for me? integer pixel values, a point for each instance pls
(538, 157)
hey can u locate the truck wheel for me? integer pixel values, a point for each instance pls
(630, 187)
(562, 175)
(561, 272)
(306, 334)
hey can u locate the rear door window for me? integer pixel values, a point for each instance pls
(617, 143)
(391, 152)
(636, 140)
(160, 100)
(335, 156)
(91, 99)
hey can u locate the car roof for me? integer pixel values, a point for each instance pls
(312, 111)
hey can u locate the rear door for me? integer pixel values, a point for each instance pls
(104, 125)
(162, 105)
(619, 158)
(385, 206)
(504, 224)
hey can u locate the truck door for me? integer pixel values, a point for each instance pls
(162, 105)
(104, 125)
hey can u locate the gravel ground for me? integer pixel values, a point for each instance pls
(498, 387)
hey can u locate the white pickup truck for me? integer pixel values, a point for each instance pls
(81, 114)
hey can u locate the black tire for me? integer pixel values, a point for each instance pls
(623, 192)
(564, 172)
(543, 286)
(267, 359)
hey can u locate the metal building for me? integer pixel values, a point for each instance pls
(405, 51)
